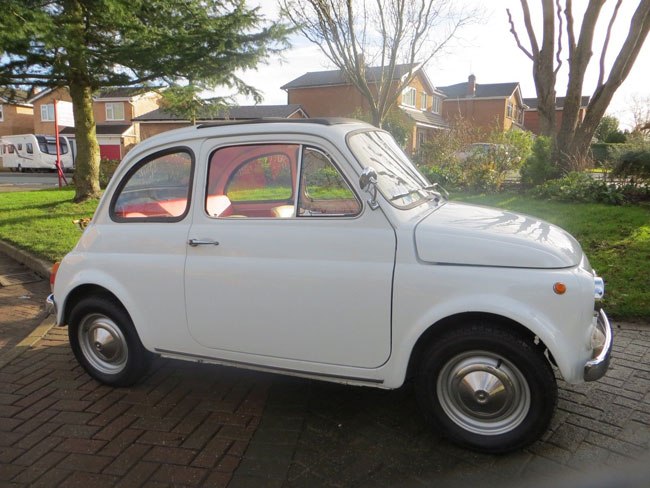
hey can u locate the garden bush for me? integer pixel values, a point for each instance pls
(579, 187)
(106, 169)
(538, 168)
(634, 166)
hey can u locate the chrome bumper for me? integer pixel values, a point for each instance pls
(50, 305)
(596, 367)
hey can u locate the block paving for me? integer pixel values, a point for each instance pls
(185, 425)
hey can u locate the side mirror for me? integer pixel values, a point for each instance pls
(368, 182)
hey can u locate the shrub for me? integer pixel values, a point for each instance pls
(106, 169)
(634, 166)
(449, 176)
(538, 167)
(579, 187)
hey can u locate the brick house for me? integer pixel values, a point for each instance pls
(160, 120)
(16, 113)
(329, 94)
(487, 106)
(531, 115)
(113, 109)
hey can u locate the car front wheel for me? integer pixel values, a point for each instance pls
(487, 388)
(106, 343)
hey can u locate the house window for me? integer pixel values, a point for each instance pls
(423, 101)
(2, 117)
(47, 112)
(509, 111)
(114, 111)
(436, 105)
(408, 96)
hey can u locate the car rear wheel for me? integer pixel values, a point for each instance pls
(106, 343)
(487, 388)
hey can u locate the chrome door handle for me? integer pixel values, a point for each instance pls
(202, 242)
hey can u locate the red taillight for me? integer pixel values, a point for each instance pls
(55, 268)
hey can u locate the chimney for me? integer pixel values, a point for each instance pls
(471, 86)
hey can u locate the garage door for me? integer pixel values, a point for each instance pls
(110, 151)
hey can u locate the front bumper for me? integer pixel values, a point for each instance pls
(596, 367)
(50, 305)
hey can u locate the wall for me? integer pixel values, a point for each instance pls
(16, 119)
(532, 123)
(151, 129)
(48, 127)
(485, 114)
(329, 101)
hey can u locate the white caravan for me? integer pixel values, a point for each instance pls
(29, 151)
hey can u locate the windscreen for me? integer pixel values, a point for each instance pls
(47, 145)
(397, 178)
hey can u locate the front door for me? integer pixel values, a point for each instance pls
(302, 270)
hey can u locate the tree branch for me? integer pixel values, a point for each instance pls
(514, 33)
(601, 76)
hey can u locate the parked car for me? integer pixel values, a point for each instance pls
(315, 248)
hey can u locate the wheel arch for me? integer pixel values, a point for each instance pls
(442, 325)
(82, 291)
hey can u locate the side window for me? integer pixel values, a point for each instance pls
(30, 148)
(254, 180)
(157, 188)
(323, 190)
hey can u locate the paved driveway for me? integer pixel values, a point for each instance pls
(198, 425)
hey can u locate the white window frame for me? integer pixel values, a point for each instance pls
(2, 113)
(48, 114)
(408, 92)
(435, 105)
(112, 106)
(510, 110)
(423, 101)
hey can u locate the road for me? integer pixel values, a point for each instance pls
(27, 181)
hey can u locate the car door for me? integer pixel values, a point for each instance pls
(302, 269)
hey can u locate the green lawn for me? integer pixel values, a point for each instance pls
(616, 239)
(41, 221)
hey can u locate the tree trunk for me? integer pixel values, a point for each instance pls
(86, 176)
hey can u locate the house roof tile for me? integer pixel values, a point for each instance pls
(483, 90)
(10, 95)
(336, 77)
(427, 118)
(243, 112)
(124, 91)
(559, 102)
(102, 129)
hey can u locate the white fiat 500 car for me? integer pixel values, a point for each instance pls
(315, 248)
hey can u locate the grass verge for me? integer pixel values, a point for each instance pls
(616, 238)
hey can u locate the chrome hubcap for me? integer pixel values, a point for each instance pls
(103, 344)
(483, 393)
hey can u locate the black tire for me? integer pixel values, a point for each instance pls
(452, 403)
(123, 360)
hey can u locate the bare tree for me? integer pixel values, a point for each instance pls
(640, 111)
(573, 137)
(356, 34)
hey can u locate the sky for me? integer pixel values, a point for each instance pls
(486, 49)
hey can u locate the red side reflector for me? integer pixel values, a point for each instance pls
(55, 268)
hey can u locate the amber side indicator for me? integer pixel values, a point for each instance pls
(559, 288)
(55, 268)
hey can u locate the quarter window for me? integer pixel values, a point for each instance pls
(47, 112)
(30, 148)
(158, 189)
(114, 111)
(323, 191)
